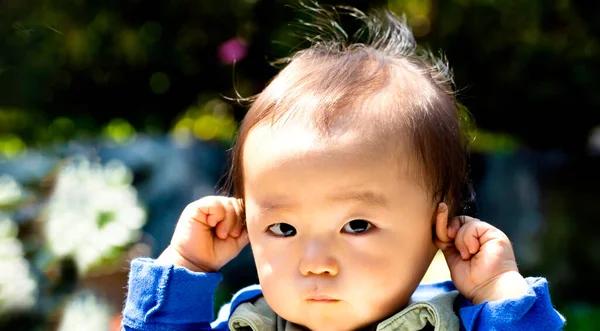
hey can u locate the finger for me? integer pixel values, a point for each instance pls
(215, 212)
(464, 235)
(207, 211)
(226, 225)
(243, 239)
(464, 219)
(471, 239)
(483, 233)
(239, 223)
(453, 228)
(472, 236)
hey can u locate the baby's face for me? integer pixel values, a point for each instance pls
(341, 230)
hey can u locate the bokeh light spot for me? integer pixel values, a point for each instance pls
(160, 83)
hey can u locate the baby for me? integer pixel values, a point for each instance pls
(348, 174)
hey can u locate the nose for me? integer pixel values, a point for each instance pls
(318, 260)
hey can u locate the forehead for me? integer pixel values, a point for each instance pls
(278, 160)
(301, 141)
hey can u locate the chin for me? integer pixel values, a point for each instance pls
(329, 327)
(330, 323)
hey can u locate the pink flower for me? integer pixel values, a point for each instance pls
(232, 50)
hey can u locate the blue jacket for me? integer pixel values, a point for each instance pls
(168, 298)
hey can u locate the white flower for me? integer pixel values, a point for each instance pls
(10, 191)
(18, 290)
(92, 210)
(85, 309)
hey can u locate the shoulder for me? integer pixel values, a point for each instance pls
(427, 291)
(246, 294)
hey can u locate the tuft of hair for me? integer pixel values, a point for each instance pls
(377, 77)
(381, 30)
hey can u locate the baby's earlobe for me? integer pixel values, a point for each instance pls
(441, 223)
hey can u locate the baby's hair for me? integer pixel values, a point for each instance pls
(378, 79)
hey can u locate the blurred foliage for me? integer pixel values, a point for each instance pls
(73, 69)
(582, 317)
(207, 120)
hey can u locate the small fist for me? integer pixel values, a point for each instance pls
(481, 260)
(210, 232)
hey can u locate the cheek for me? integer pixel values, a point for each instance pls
(388, 269)
(274, 258)
(394, 259)
(259, 252)
(276, 273)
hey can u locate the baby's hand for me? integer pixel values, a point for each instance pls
(210, 232)
(481, 261)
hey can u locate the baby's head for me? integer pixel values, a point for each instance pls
(345, 162)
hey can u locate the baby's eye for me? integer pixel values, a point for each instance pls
(357, 226)
(282, 230)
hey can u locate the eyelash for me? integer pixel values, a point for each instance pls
(290, 231)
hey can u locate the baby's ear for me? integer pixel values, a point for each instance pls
(440, 225)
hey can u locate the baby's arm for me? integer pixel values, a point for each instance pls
(162, 296)
(484, 270)
(532, 311)
(176, 291)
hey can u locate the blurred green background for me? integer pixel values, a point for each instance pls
(144, 83)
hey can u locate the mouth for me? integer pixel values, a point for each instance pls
(321, 298)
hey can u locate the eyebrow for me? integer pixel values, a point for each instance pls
(367, 197)
(274, 204)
